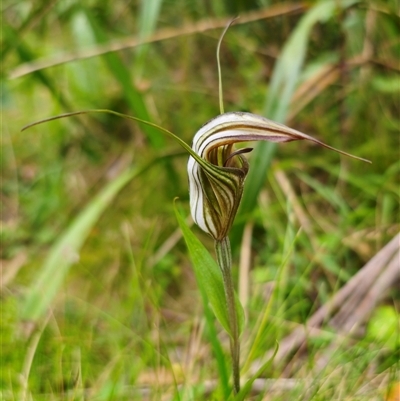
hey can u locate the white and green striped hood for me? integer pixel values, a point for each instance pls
(216, 182)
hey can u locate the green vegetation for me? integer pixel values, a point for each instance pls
(99, 297)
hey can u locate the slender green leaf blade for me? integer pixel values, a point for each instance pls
(209, 276)
(148, 13)
(65, 252)
(133, 96)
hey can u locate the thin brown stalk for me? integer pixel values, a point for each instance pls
(372, 280)
(163, 34)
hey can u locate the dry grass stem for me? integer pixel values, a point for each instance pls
(373, 280)
(299, 212)
(163, 34)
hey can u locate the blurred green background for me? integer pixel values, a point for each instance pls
(98, 298)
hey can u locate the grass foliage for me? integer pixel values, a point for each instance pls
(99, 300)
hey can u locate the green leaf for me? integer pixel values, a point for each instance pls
(65, 252)
(208, 276)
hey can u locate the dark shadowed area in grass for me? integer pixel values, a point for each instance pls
(99, 298)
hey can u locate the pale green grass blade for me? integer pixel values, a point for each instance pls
(37, 13)
(148, 14)
(370, 188)
(65, 252)
(326, 192)
(272, 302)
(26, 55)
(133, 97)
(288, 68)
(283, 84)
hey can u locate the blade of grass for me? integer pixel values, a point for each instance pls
(30, 21)
(133, 97)
(149, 11)
(282, 271)
(283, 83)
(160, 35)
(326, 192)
(368, 189)
(26, 55)
(65, 252)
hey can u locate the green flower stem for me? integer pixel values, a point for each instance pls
(223, 250)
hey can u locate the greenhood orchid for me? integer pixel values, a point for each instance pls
(217, 172)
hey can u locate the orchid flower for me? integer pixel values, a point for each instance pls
(217, 172)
